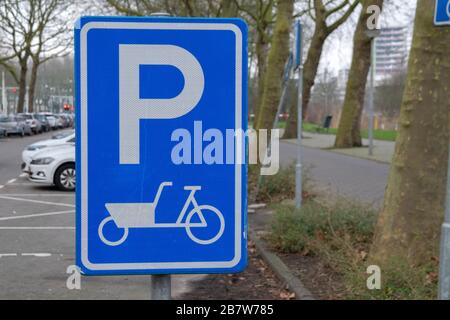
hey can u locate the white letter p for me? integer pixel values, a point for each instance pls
(132, 108)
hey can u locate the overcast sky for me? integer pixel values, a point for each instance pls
(338, 48)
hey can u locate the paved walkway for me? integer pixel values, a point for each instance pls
(348, 176)
(382, 151)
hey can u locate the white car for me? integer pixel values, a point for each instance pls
(57, 140)
(51, 120)
(54, 166)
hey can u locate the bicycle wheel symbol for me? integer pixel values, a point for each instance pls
(199, 210)
(102, 236)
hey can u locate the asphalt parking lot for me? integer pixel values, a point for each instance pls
(37, 240)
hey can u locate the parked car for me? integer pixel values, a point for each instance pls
(60, 122)
(68, 119)
(45, 125)
(27, 127)
(51, 120)
(2, 131)
(15, 125)
(54, 166)
(63, 138)
(32, 121)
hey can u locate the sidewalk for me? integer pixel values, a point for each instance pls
(382, 151)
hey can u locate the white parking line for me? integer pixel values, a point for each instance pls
(39, 255)
(1, 186)
(23, 175)
(37, 215)
(60, 194)
(38, 201)
(11, 181)
(37, 228)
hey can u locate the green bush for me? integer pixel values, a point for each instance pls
(296, 230)
(341, 235)
(399, 281)
(275, 188)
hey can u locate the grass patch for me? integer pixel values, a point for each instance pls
(275, 188)
(386, 135)
(340, 235)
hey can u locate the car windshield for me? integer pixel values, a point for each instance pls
(26, 116)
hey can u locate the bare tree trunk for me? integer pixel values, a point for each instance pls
(409, 224)
(261, 56)
(349, 133)
(22, 86)
(32, 86)
(279, 52)
(309, 74)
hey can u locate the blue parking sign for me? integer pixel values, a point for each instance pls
(161, 107)
(442, 13)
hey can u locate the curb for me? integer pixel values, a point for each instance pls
(281, 270)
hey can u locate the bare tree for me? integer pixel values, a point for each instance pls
(17, 29)
(328, 16)
(389, 93)
(187, 8)
(260, 16)
(349, 131)
(52, 39)
(279, 52)
(325, 93)
(409, 224)
(32, 29)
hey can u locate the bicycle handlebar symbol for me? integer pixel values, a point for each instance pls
(142, 215)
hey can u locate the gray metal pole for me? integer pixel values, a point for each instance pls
(298, 166)
(161, 284)
(444, 261)
(160, 288)
(371, 93)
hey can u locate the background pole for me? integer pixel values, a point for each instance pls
(298, 166)
(371, 93)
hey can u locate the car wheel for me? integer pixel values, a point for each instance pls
(65, 177)
(22, 133)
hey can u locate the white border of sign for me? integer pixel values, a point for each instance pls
(436, 23)
(84, 146)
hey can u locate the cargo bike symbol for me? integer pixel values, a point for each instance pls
(142, 215)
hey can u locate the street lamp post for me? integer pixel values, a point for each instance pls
(298, 63)
(372, 34)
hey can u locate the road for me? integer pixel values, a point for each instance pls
(354, 178)
(37, 237)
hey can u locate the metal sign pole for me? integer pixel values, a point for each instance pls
(371, 94)
(160, 288)
(161, 284)
(444, 261)
(298, 166)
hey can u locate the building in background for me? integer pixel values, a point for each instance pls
(391, 51)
